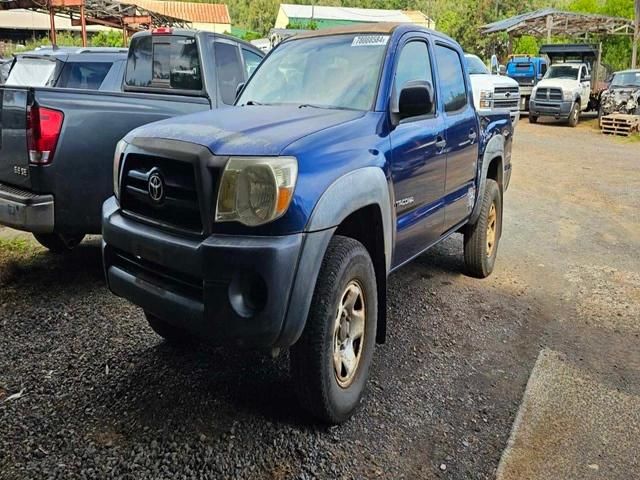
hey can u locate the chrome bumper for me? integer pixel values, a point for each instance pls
(25, 210)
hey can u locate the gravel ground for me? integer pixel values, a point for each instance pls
(103, 397)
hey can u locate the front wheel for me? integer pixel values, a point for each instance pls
(59, 242)
(533, 118)
(481, 238)
(330, 362)
(574, 115)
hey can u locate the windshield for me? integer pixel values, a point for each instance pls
(563, 71)
(475, 66)
(32, 72)
(626, 79)
(338, 71)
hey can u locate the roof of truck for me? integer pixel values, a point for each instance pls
(386, 28)
(193, 32)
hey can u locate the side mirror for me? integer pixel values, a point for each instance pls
(586, 78)
(502, 70)
(495, 65)
(239, 89)
(416, 98)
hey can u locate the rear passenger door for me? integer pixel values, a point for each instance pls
(462, 134)
(418, 160)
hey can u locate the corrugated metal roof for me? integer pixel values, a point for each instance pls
(507, 23)
(189, 11)
(568, 23)
(345, 13)
(20, 19)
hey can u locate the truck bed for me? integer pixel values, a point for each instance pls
(93, 123)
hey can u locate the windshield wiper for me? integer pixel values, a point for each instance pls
(324, 107)
(253, 102)
(312, 105)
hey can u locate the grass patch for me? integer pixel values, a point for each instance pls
(14, 254)
(19, 246)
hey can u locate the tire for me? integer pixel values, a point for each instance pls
(58, 242)
(331, 393)
(479, 253)
(533, 118)
(574, 115)
(171, 333)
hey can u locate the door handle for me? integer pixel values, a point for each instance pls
(472, 135)
(441, 143)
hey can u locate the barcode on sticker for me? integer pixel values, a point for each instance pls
(370, 40)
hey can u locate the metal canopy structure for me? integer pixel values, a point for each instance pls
(111, 13)
(549, 21)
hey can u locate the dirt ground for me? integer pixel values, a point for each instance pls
(103, 397)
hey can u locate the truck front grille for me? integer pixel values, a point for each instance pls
(508, 104)
(554, 94)
(505, 90)
(177, 206)
(506, 97)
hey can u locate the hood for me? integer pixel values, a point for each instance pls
(623, 91)
(563, 83)
(486, 81)
(250, 130)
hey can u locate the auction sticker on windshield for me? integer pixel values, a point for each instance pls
(370, 40)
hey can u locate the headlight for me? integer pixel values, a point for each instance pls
(486, 98)
(117, 163)
(567, 96)
(256, 190)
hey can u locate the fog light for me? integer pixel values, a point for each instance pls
(247, 294)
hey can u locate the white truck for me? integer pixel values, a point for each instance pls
(493, 92)
(563, 93)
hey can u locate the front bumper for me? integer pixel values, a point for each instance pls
(25, 210)
(550, 108)
(224, 288)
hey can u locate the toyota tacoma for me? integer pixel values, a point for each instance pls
(276, 224)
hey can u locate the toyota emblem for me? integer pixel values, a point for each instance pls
(155, 187)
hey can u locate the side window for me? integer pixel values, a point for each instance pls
(251, 61)
(543, 69)
(413, 64)
(229, 70)
(84, 75)
(451, 76)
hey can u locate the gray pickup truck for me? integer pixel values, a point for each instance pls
(56, 144)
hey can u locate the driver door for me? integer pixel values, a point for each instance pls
(585, 87)
(418, 158)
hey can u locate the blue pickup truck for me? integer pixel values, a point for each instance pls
(276, 224)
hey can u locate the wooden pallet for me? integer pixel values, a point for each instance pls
(620, 124)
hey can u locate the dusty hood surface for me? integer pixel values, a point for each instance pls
(250, 130)
(567, 84)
